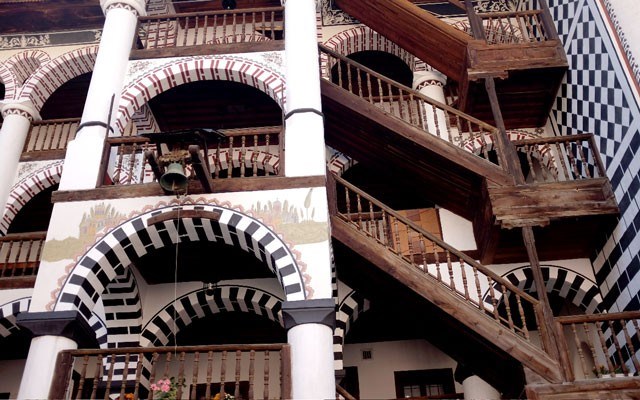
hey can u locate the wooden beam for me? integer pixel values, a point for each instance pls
(202, 170)
(171, 215)
(442, 297)
(208, 49)
(591, 389)
(221, 186)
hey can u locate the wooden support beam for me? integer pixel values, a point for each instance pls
(202, 169)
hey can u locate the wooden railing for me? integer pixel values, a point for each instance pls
(216, 27)
(530, 25)
(261, 371)
(431, 116)
(561, 158)
(467, 279)
(20, 254)
(240, 153)
(50, 137)
(602, 345)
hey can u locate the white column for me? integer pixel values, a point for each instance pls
(40, 366)
(431, 84)
(304, 140)
(84, 154)
(14, 131)
(310, 325)
(475, 388)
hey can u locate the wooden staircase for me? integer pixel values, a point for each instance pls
(521, 49)
(445, 152)
(458, 285)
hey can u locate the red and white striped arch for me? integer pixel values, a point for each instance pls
(27, 188)
(25, 63)
(193, 69)
(46, 79)
(9, 82)
(362, 38)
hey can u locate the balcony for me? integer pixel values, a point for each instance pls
(48, 140)
(210, 32)
(20, 259)
(261, 371)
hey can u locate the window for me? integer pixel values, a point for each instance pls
(424, 383)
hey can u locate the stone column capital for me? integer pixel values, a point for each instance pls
(318, 311)
(23, 108)
(69, 324)
(137, 7)
(428, 78)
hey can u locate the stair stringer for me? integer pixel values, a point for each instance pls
(521, 350)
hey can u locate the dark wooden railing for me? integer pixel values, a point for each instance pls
(20, 255)
(260, 371)
(561, 158)
(467, 279)
(215, 27)
(602, 345)
(49, 138)
(431, 116)
(240, 153)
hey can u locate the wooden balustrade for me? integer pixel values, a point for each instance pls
(215, 27)
(561, 158)
(49, 138)
(261, 371)
(20, 255)
(247, 152)
(429, 115)
(464, 277)
(602, 345)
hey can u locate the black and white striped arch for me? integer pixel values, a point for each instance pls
(159, 331)
(119, 248)
(8, 313)
(348, 311)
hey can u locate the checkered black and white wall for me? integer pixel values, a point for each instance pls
(598, 97)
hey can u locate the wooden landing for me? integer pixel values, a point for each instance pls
(451, 176)
(454, 306)
(568, 218)
(528, 74)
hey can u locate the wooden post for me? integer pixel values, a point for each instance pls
(474, 21)
(547, 21)
(285, 372)
(60, 381)
(550, 333)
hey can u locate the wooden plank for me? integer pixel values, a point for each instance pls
(219, 186)
(43, 155)
(578, 319)
(208, 49)
(506, 340)
(17, 282)
(592, 389)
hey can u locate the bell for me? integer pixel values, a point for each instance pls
(174, 179)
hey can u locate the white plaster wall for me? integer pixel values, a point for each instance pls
(376, 375)
(628, 13)
(11, 373)
(10, 295)
(53, 52)
(457, 231)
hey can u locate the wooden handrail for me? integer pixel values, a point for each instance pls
(497, 278)
(16, 237)
(578, 319)
(503, 14)
(55, 121)
(203, 13)
(343, 392)
(408, 89)
(554, 139)
(164, 349)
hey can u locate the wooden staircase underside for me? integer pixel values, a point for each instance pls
(529, 74)
(445, 300)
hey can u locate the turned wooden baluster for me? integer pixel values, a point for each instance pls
(583, 160)
(83, 373)
(603, 347)
(616, 344)
(528, 150)
(252, 362)
(477, 280)
(223, 373)
(505, 300)
(181, 379)
(525, 330)
(494, 302)
(96, 378)
(436, 253)
(464, 279)
(236, 392)
(452, 283)
(194, 378)
(207, 393)
(592, 347)
(136, 386)
(125, 374)
(563, 164)
(266, 375)
(578, 344)
(632, 351)
(110, 376)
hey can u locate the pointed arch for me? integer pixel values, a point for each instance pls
(114, 253)
(193, 69)
(363, 38)
(27, 188)
(195, 305)
(46, 79)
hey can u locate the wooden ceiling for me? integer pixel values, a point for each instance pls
(49, 15)
(183, 6)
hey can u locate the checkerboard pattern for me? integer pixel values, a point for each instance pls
(596, 97)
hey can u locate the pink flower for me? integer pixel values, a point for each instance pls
(154, 387)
